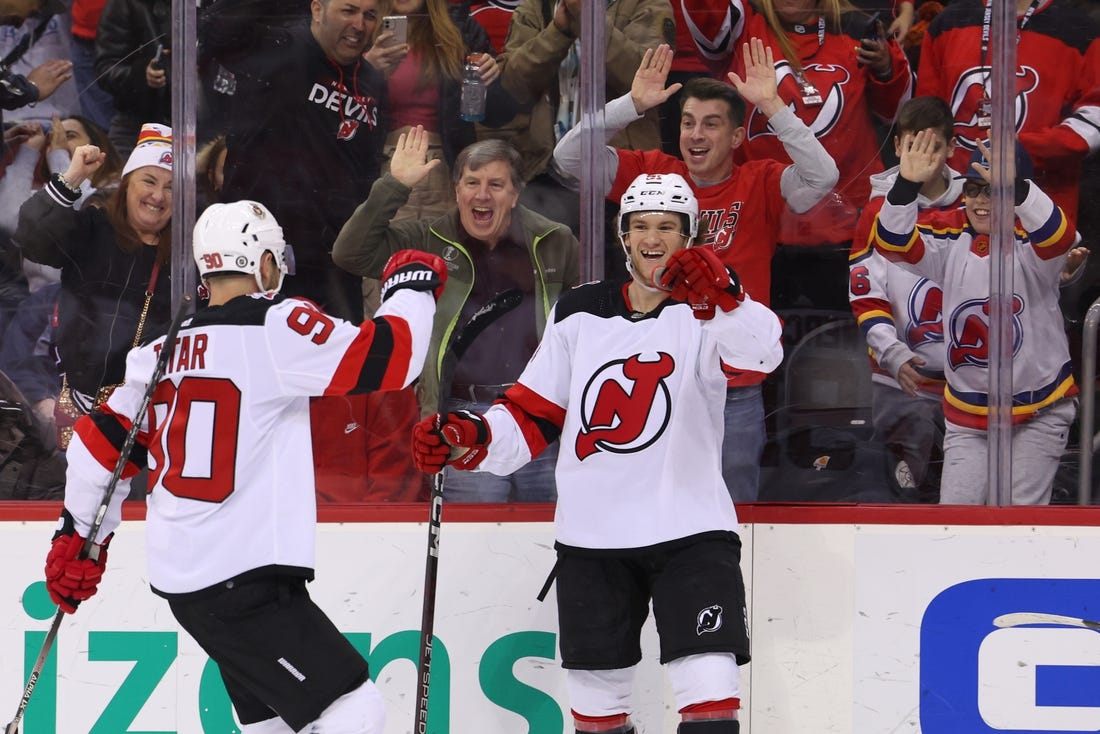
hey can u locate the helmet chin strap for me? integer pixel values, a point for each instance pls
(264, 289)
(259, 275)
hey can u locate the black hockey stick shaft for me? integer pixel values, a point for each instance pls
(124, 455)
(499, 305)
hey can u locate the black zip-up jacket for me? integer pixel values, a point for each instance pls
(126, 41)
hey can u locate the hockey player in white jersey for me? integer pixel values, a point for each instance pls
(232, 512)
(629, 375)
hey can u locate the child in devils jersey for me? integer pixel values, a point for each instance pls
(953, 248)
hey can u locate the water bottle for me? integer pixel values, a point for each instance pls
(472, 107)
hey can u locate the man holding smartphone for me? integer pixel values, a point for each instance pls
(301, 84)
(125, 47)
(156, 73)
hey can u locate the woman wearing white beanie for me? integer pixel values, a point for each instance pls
(114, 265)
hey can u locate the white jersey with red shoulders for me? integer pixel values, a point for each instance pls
(947, 250)
(899, 312)
(227, 434)
(1057, 78)
(637, 401)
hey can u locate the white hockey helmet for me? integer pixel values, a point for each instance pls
(660, 192)
(232, 238)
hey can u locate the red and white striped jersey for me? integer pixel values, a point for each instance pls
(227, 435)
(638, 401)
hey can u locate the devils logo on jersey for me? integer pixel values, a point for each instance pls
(925, 314)
(969, 331)
(829, 81)
(966, 102)
(626, 406)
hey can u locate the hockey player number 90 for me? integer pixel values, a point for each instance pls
(200, 416)
(308, 321)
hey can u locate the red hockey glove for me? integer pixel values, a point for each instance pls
(697, 276)
(430, 451)
(416, 270)
(433, 443)
(465, 429)
(71, 580)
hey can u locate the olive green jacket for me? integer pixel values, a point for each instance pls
(369, 238)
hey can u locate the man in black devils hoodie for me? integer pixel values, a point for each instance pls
(304, 136)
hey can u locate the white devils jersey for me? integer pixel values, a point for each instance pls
(227, 434)
(638, 400)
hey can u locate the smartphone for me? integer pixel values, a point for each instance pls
(398, 25)
(158, 59)
(870, 30)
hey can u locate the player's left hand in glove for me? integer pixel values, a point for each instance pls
(698, 277)
(460, 439)
(70, 579)
(416, 270)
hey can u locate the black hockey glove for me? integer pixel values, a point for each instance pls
(414, 269)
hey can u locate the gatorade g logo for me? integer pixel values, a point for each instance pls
(626, 406)
(966, 102)
(829, 81)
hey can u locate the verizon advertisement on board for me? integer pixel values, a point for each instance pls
(856, 629)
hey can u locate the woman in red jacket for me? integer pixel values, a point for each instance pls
(840, 73)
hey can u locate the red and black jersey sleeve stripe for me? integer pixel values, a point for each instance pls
(378, 358)
(103, 433)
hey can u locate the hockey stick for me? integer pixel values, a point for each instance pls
(101, 513)
(1017, 619)
(500, 304)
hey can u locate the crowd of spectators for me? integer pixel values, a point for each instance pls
(788, 118)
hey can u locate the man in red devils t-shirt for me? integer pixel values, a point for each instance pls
(739, 206)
